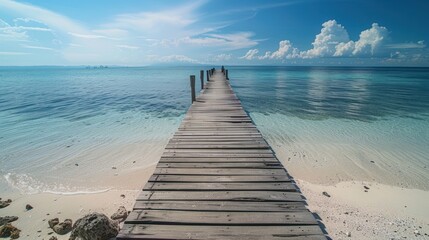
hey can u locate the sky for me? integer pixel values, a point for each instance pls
(228, 32)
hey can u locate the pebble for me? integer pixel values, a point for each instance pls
(326, 194)
(28, 207)
(349, 234)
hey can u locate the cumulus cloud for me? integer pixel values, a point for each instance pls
(370, 39)
(325, 42)
(334, 41)
(286, 50)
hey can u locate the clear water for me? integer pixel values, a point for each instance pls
(52, 118)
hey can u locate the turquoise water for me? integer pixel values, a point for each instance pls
(61, 125)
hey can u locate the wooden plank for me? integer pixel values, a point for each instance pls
(220, 165)
(177, 186)
(214, 178)
(216, 155)
(203, 141)
(224, 218)
(224, 151)
(252, 196)
(217, 146)
(216, 206)
(220, 171)
(190, 232)
(212, 159)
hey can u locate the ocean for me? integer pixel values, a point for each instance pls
(66, 129)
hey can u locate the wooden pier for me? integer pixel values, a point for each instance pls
(219, 179)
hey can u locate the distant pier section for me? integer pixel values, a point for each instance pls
(219, 179)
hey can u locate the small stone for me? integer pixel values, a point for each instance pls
(122, 195)
(326, 194)
(121, 214)
(113, 167)
(7, 219)
(367, 188)
(53, 222)
(53, 238)
(64, 227)
(28, 207)
(371, 161)
(416, 232)
(76, 164)
(134, 161)
(349, 234)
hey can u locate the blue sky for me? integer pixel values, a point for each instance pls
(134, 33)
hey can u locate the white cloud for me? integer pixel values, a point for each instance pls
(13, 53)
(410, 45)
(285, 51)
(326, 41)
(344, 49)
(38, 47)
(251, 54)
(370, 39)
(127, 47)
(91, 36)
(333, 41)
(221, 57)
(174, 58)
(9, 33)
(41, 15)
(224, 41)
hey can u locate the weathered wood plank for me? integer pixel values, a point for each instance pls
(214, 178)
(217, 146)
(216, 155)
(216, 206)
(224, 151)
(253, 196)
(177, 186)
(213, 159)
(189, 232)
(220, 171)
(224, 218)
(220, 165)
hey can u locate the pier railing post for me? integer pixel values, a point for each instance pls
(226, 74)
(192, 78)
(208, 78)
(202, 78)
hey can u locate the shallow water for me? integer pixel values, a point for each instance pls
(61, 126)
